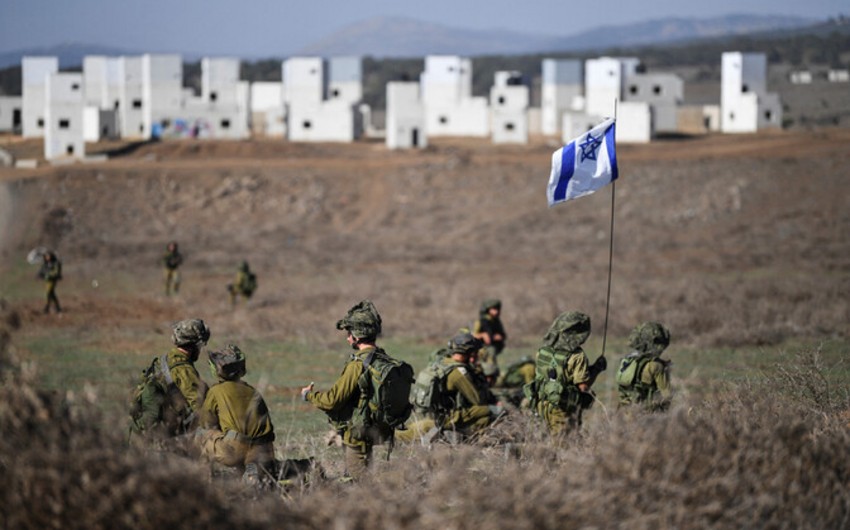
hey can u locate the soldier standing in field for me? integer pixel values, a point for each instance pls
(244, 284)
(51, 273)
(490, 330)
(171, 260)
(235, 428)
(643, 377)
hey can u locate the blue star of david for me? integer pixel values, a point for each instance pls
(589, 147)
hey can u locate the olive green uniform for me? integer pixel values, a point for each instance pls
(51, 271)
(172, 260)
(339, 403)
(565, 416)
(652, 388)
(241, 286)
(237, 428)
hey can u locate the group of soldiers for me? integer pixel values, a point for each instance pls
(456, 396)
(242, 288)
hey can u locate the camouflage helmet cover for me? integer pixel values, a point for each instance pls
(362, 320)
(229, 363)
(192, 332)
(243, 266)
(465, 344)
(649, 337)
(489, 304)
(568, 331)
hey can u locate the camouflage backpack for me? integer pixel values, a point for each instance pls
(157, 400)
(513, 378)
(249, 285)
(384, 392)
(430, 387)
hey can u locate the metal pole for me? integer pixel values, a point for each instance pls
(610, 254)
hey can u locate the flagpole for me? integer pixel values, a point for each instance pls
(610, 255)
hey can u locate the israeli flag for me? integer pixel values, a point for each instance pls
(584, 165)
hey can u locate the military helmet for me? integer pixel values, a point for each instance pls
(362, 321)
(229, 363)
(489, 304)
(192, 332)
(243, 266)
(568, 331)
(465, 343)
(649, 337)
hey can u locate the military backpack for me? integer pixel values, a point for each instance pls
(384, 392)
(250, 283)
(629, 373)
(429, 390)
(156, 399)
(551, 384)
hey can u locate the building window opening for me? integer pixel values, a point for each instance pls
(225, 124)
(444, 120)
(307, 124)
(731, 116)
(116, 105)
(633, 89)
(213, 96)
(165, 123)
(509, 126)
(656, 90)
(104, 131)
(137, 103)
(501, 100)
(335, 93)
(40, 123)
(69, 149)
(64, 123)
(75, 86)
(768, 115)
(745, 88)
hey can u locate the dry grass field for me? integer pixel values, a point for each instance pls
(739, 244)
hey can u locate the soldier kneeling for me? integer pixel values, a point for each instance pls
(236, 429)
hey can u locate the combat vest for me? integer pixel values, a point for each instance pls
(629, 377)
(429, 394)
(551, 383)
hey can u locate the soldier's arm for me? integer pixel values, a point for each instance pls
(480, 331)
(578, 369)
(209, 412)
(458, 381)
(660, 377)
(189, 382)
(342, 390)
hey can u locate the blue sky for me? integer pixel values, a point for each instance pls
(276, 27)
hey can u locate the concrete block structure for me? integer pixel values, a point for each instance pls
(162, 91)
(99, 124)
(663, 92)
(267, 114)
(34, 74)
(131, 98)
(604, 79)
(634, 122)
(11, 114)
(322, 99)
(509, 99)
(745, 104)
(64, 103)
(450, 109)
(405, 119)
(101, 92)
(562, 91)
(224, 105)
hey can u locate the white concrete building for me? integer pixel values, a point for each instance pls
(405, 118)
(450, 109)
(64, 103)
(131, 94)
(34, 73)
(604, 79)
(509, 99)
(101, 90)
(663, 92)
(162, 91)
(562, 91)
(11, 114)
(267, 115)
(224, 101)
(745, 103)
(313, 113)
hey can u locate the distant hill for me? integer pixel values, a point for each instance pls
(404, 37)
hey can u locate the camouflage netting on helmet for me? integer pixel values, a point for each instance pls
(568, 332)
(489, 304)
(362, 320)
(649, 337)
(192, 332)
(465, 343)
(229, 363)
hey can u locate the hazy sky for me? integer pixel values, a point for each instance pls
(280, 27)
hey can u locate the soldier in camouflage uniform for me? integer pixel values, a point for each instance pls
(171, 260)
(235, 427)
(244, 284)
(563, 375)
(651, 386)
(362, 325)
(175, 412)
(51, 273)
(490, 330)
(464, 404)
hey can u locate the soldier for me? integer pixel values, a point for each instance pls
(244, 285)
(447, 393)
(50, 272)
(489, 329)
(563, 375)
(171, 391)
(171, 260)
(643, 376)
(235, 427)
(517, 375)
(362, 325)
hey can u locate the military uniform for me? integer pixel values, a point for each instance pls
(237, 426)
(51, 272)
(339, 403)
(243, 285)
(566, 415)
(171, 260)
(651, 386)
(490, 326)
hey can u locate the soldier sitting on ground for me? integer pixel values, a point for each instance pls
(51, 273)
(171, 260)
(643, 376)
(170, 392)
(515, 376)
(235, 427)
(447, 397)
(244, 285)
